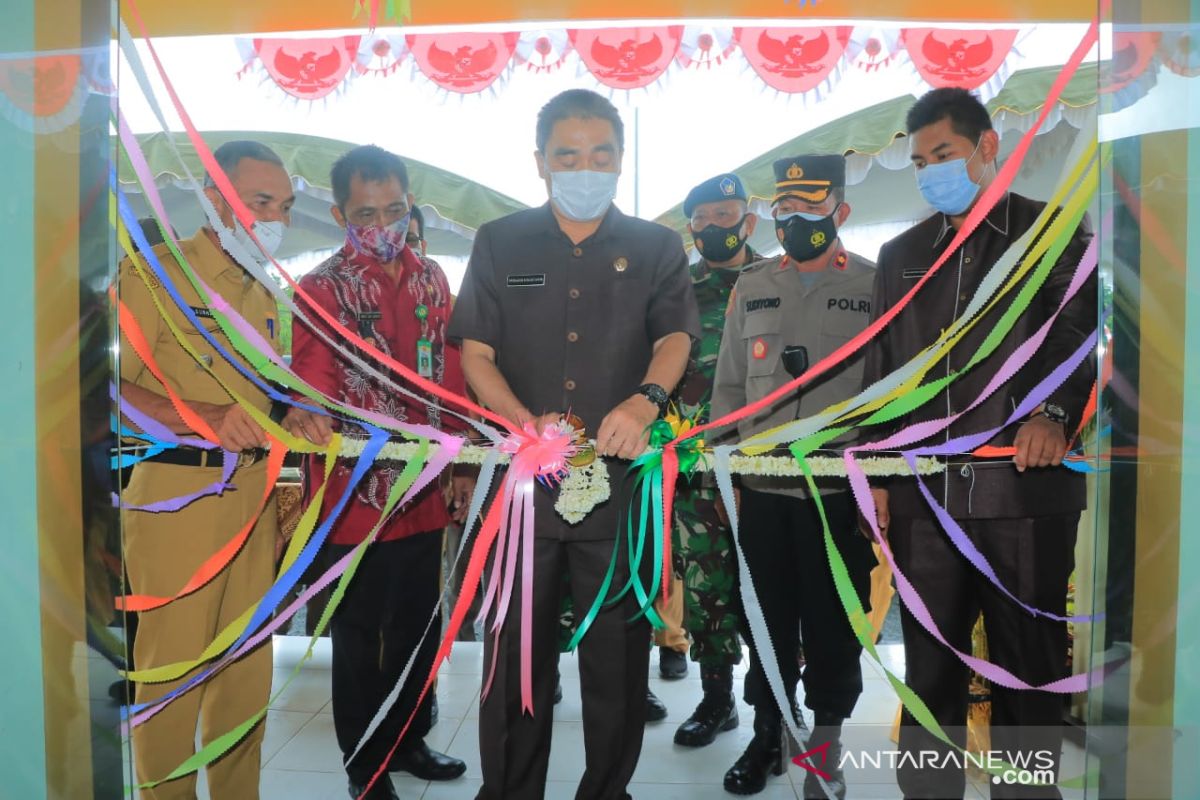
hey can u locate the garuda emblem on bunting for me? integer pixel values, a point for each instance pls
(308, 68)
(463, 62)
(794, 60)
(964, 58)
(628, 58)
(42, 94)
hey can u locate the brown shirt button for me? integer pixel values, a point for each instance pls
(572, 337)
(569, 386)
(573, 294)
(577, 252)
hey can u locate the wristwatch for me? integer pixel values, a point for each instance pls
(1055, 414)
(655, 394)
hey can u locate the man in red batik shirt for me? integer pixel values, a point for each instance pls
(400, 301)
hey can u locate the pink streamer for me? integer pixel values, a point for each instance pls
(535, 457)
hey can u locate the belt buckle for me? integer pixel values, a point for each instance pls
(247, 457)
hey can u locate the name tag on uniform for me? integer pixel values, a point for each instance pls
(762, 304)
(524, 281)
(366, 322)
(914, 274)
(201, 312)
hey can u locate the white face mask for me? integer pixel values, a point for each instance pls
(270, 235)
(583, 195)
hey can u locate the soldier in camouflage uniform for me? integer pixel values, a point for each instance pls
(720, 224)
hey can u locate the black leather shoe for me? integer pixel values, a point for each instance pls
(763, 756)
(426, 764)
(672, 664)
(826, 728)
(656, 710)
(382, 790)
(717, 710)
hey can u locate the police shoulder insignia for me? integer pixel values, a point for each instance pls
(732, 300)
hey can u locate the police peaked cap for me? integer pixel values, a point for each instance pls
(809, 177)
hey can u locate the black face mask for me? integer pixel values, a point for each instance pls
(805, 239)
(719, 245)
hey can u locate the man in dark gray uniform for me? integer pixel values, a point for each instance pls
(786, 312)
(574, 307)
(1021, 512)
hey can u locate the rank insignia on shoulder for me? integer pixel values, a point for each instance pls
(759, 348)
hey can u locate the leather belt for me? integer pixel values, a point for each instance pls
(194, 457)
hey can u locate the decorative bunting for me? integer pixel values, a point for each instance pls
(627, 58)
(964, 58)
(462, 62)
(543, 51)
(380, 55)
(308, 69)
(794, 60)
(703, 47)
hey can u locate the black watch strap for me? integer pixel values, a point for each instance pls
(1055, 413)
(655, 394)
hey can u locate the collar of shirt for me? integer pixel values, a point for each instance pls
(609, 225)
(211, 261)
(997, 219)
(836, 263)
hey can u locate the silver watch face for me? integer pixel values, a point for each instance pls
(1055, 413)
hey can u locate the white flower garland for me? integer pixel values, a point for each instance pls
(587, 487)
(831, 466)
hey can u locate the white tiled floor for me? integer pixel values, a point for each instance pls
(301, 757)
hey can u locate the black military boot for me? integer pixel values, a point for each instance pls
(827, 727)
(763, 756)
(717, 710)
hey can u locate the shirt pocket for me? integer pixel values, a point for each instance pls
(763, 341)
(843, 317)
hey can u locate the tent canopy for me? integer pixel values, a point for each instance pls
(454, 206)
(875, 136)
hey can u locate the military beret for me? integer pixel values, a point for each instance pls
(725, 186)
(809, 177)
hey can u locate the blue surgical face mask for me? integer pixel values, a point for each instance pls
(947, 186)
(583, 195)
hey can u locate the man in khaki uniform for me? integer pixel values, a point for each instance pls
(786, 313)
(163, 550)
